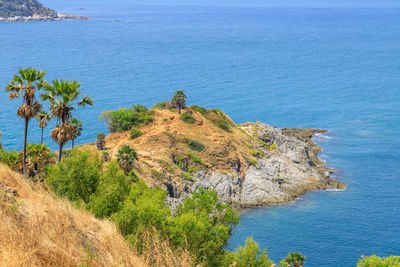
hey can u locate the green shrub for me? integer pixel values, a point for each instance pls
(249, 146)
(273, 147)
(77, 177)
(162, 105)
(188, 177)
(135, 133)
(224, 125)
(257, 153)
(112, 191)
(248, 256)
(375, 261)
(124, 119)
(194, 145)
(204, 225)
(196, 159)
(188, 118)
(10, 158)
(201, 110)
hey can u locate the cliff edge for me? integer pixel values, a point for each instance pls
(248, 165)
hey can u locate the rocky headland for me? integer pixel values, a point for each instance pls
(248, 165)
(31, 10)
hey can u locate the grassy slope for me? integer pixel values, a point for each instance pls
(12, 8)
(166, 136)
(36, 229)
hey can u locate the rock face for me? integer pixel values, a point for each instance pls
(280, 176)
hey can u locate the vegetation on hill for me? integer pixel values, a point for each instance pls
(24, 8)
(147, 149)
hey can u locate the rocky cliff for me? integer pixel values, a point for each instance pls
(279, 176)
(248, 165)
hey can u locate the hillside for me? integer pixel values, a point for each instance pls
(247, 165)
(36, 229)
(27, 10)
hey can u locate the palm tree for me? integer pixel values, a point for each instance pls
(179, 100)
(42, 118)
(126, 157)
(78, 129)
(62, 96)
(295, 259)
(26, 83)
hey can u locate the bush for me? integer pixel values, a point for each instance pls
(163, 105)
(201, 110)
(135, 133)
(375, 261)
(194, 145)
(111, 192)
(248, 256)
(196, 159)
(124, 119)
(77, 177)
(224, 125)
(204, 224)
(188, 118)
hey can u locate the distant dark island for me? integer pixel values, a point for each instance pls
(30, 10)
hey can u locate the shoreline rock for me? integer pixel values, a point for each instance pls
(57, 17)
(280, 176)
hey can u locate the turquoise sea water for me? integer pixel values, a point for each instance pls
(321, 64)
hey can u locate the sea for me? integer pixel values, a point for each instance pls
(323, 64)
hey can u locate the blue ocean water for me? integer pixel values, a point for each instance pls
(317, 64)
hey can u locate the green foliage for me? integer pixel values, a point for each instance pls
(295, 259)
(224, 125)
(188, 177)
(179, 100)
(111, 192)
(135, 133)
(375, 261)
(188, 118)
(205, 224)
(124, 119)
(273, 147)
(162, 105)
(126, 158)
(10, 158)
(143, 209)
(196, 159)
(101, 136)
(24, 8)
(77, 177)
(253, 162)
(257, 153)
(201, 110)
(194, 145)
(248, 256)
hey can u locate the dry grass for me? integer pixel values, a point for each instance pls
(166, 135)
(37, 229)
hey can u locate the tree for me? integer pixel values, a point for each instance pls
(1, 146)
(62, 96)
(295, 259)
(26, 82)
(77, 124)
(126, 158)
(101, 141)
(43, 119)
(179, 100)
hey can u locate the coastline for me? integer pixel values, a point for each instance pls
(57, 17)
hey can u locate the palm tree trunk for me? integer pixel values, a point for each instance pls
(25, 138)
(41, 139)
(179, 106)
(72, 143)
(60, 152)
